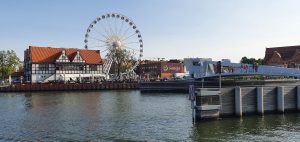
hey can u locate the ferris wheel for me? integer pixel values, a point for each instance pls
(111, 32)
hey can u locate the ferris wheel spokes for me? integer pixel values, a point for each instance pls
(131, 43)
(98, 39)
(105, 36)
(115, 31)
(131, 48)
(97, 46)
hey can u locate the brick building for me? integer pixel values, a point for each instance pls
(160, 69)
(288, 56)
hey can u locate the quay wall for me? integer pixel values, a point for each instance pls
(168, 86)
(68, 87)
(254, 101)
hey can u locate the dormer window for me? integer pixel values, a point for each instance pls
(63, 57)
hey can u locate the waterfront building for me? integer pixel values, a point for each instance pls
(160, 69)
(201, 67)
(288, 56)
(44, 64)
(195, 66)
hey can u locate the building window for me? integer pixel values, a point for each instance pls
(43, 67)
(93, 67)
(81, 68)
(196, 63)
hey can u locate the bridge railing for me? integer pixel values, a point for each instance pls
(248, 69)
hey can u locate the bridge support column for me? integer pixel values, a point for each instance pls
(280, 99)
(260, 100)
(298, 97)
(238, 101)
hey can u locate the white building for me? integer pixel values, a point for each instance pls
(43, 64)
(194, 66)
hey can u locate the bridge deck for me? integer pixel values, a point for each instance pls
(236, 69)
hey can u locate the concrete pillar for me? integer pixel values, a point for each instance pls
(260, 100)
(280, 99)
(298, 97)
(238, 101)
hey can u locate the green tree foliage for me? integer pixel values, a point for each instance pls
(8, 62)
(123, 60)
(246, 60)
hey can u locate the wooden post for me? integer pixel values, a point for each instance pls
(260, 100)
(238, 101)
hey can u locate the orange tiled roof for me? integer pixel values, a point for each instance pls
(50, 54)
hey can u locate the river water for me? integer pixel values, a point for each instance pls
(128, 116)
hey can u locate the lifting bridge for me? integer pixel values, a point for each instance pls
(237, 69)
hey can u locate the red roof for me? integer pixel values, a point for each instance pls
(285, 52)
(50, 54)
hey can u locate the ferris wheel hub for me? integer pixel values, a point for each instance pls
(117, 44)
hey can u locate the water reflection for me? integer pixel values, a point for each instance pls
(27, 101)
(128, 116)
(270, 127)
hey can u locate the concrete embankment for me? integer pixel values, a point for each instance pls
(242, 100)
(67, 87)
(259, 100)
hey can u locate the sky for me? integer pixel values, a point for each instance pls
(173, 29)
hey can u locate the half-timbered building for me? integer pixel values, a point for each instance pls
(44, 64)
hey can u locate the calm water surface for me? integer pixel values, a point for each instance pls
(128, 116)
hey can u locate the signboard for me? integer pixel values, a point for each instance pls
(171, 68)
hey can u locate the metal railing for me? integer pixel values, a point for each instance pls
(259, 70)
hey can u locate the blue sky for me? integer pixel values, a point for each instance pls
(170, 28)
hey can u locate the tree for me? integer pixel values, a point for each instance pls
(246, 60)
(8, 62)
(123, 60)
(260, 61)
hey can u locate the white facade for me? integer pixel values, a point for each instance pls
(200, 68)
(194, 66)
(63, 72)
